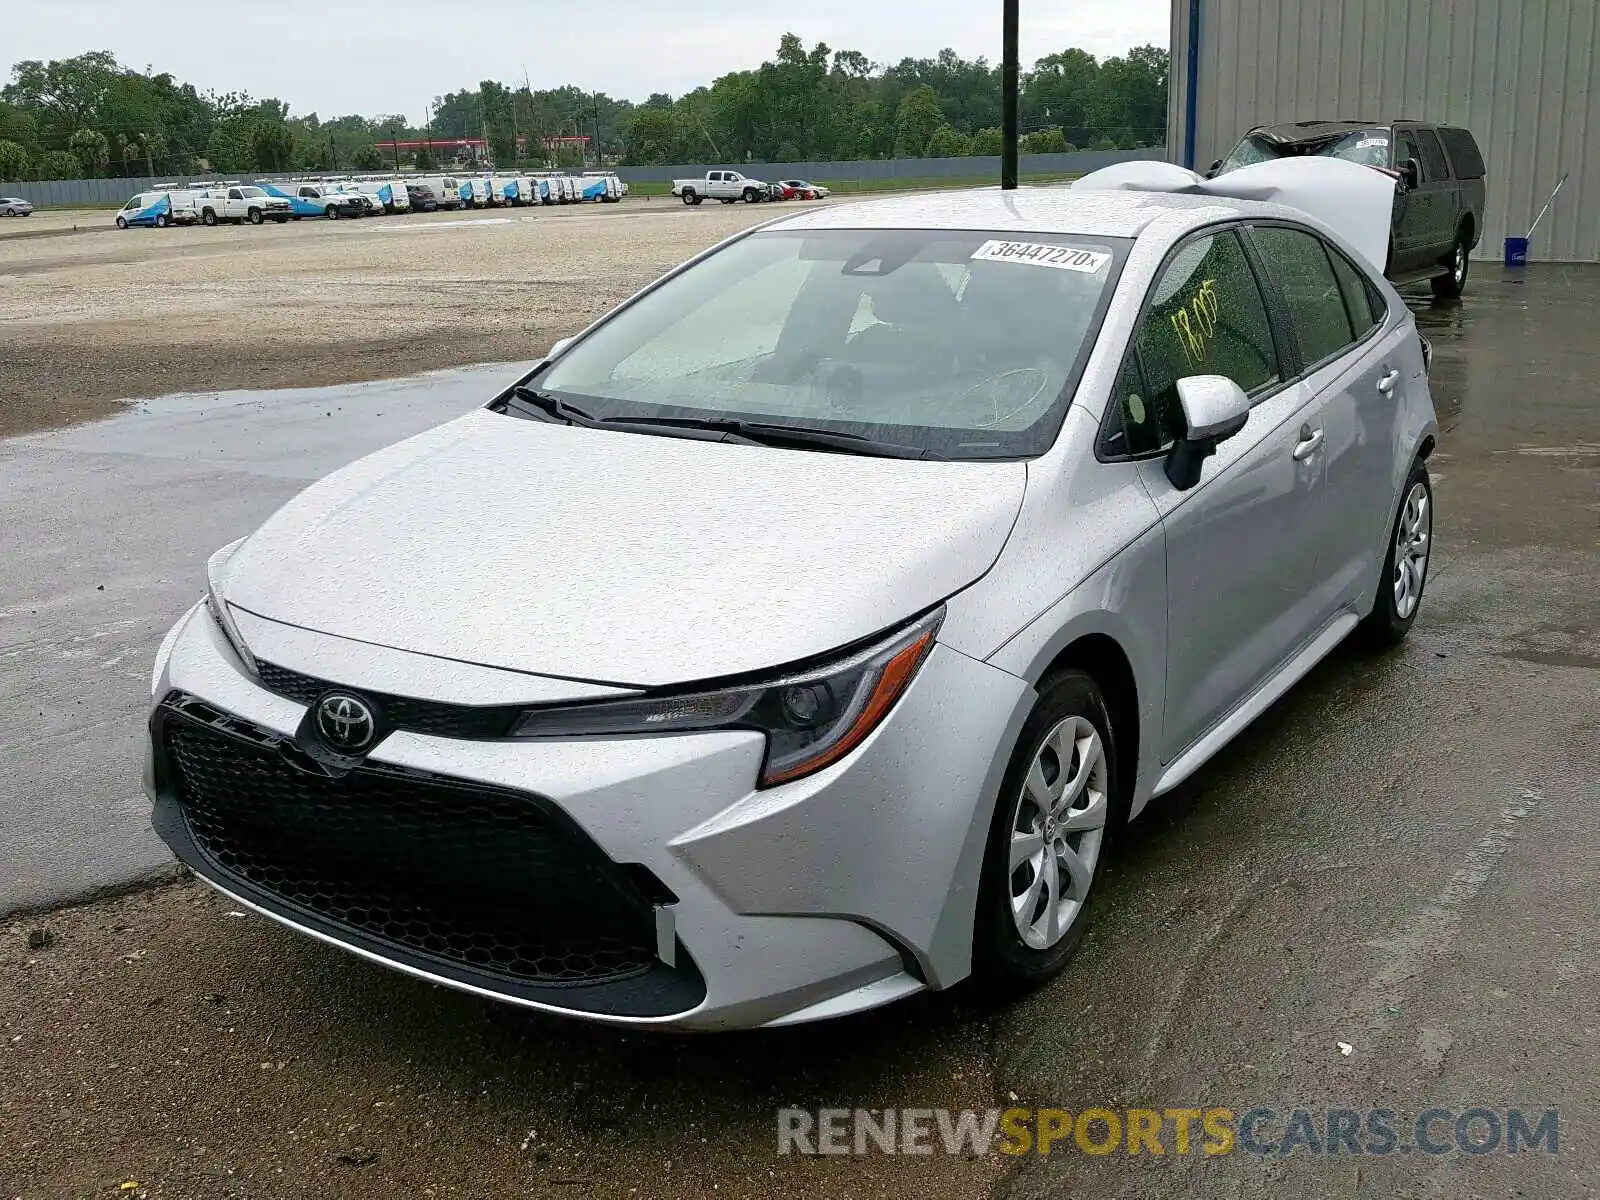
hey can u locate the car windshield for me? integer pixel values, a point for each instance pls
(251, 193)
(1367, 147)
(962, 344)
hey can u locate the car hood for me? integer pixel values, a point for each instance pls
(620, 557)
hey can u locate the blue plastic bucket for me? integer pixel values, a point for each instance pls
(1516, 252)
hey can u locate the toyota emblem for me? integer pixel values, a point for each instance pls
(345, 722)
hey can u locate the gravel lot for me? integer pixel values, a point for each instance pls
(91, 318)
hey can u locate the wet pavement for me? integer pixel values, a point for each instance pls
(1381, 896)
(107, 529)
(1402, 856)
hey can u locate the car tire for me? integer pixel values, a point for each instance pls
(162, 221)
(122, 222)
(1405, 565)
(689, 196)
(1070, 728)
(11, 212)
(1453, 282)
(751, 196)
(208, 217)
(254, 216)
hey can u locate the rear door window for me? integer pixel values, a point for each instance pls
(1462, 148)
(1363, 300)
(1434, 167)
(1298, 263)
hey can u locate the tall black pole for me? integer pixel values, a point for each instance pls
(1008, 99)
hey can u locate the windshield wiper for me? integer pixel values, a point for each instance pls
(771, 434)
(524, 398)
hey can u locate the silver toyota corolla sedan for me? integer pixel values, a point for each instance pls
(794, 638)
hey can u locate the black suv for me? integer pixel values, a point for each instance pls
(1439, 188)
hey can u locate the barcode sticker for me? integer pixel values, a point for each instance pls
(1038, 254)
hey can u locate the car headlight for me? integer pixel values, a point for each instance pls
(218, 607)
(811, 718)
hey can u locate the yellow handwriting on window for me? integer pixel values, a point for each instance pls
(1196, 323)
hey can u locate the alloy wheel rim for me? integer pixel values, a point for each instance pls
(1412, 542)
(1057, 828)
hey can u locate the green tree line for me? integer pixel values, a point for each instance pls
(92, 116)
(823, 104)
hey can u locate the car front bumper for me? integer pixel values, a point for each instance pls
(740, 907)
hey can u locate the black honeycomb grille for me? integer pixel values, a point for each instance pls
(478, 877)
(400, 712)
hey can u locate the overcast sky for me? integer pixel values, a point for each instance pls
(335, 57)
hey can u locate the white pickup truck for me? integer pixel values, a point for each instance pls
(240, 203)
(727, 186)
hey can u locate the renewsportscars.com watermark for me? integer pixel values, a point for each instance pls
(1170, 1131)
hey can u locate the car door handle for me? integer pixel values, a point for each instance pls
(1310, 440)
(1387, 384)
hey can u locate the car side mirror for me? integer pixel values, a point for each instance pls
(1410, 173)
(1214, 409)
(1215, 167)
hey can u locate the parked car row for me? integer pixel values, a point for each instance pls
(730, 187)
(279, 201)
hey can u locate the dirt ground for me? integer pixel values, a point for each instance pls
(91, 318)
(191, 1052)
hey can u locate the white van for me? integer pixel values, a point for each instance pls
(391, 194)
(446, 188)
(158, 209)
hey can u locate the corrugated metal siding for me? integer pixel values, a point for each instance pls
(1523, 75)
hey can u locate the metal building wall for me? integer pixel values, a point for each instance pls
(1523, 75)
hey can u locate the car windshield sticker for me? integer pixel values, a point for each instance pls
(1038, 254)
(1369, 143)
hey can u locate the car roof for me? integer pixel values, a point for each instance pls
(1053, 209)
(1312, 131)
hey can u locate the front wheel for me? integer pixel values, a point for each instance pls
(1450, 285)
(1405, 568)
(751, 196)
(331, 212)
(1056, 806)
(122, 222)
(254, 216)
(689, 197)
